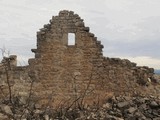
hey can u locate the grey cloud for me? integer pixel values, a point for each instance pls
(149, 28)
(142, 48)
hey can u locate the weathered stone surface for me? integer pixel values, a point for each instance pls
(3, 117)
(123, 104)
(6, 109)
(154, 104)
(131, 110)
(80, 24)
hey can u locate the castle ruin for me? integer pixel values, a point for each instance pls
(63, 71)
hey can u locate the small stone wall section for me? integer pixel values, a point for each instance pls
(14, 76)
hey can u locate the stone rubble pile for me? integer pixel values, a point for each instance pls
(135, 108)
(115, 108)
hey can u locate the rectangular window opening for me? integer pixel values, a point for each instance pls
(71, 38)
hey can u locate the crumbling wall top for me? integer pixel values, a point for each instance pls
(56, 34)
(12, 60)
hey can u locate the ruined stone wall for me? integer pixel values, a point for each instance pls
(65, 68)
(15, 77)
(66, 72)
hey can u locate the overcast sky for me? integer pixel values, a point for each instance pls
(127, 28)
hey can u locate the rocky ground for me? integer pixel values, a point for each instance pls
(138, 107)
(115, 108)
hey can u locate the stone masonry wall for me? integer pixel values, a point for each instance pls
(14, 76)
(65, 72)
